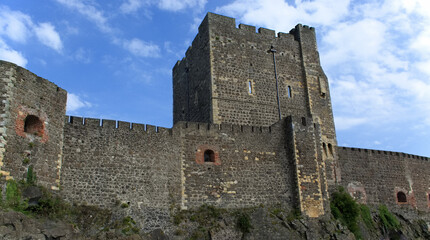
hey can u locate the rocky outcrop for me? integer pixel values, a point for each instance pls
(16, 225)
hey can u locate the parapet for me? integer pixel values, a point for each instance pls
(224, 22)
(114, 124)
(226, 128)
(381, 152)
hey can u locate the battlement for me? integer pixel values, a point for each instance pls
(114, 124)
(147, 128)
(381, 152)
(223, 22)
(225, 128)
(220, 21)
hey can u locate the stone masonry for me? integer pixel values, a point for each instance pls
(233, 144)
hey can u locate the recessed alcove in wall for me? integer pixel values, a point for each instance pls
(209, 156)
(206, 154)
(401, 197)
(33, 125)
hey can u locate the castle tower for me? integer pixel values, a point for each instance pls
(247, 77)
(31, 126)
(229, 76)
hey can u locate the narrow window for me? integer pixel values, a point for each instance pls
(209, 156)
(401, 197)
(33, 125)
(250, 87)
(303, 121)
(330, 149)
(290, 95)
(325, 149)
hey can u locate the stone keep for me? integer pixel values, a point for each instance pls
(240, 138)
(235, 75)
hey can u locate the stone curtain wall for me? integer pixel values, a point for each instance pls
(112, 164)
(375, 177)
(153, 171)
(28, 94)
(252, 168)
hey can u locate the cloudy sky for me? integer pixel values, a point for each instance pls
(115, 57)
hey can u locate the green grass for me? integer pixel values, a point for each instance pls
(366, 216)
(389, 221)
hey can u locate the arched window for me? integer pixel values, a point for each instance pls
(209, 156)
(33, 125)
(401, 197)
(303, 121)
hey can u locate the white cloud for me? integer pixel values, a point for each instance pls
(177, 5)
(354, 42)
(19, 27)
(131, 6)
(10, 55)
(343, 123)
(74, 102)
(141, 49)
(15, 25)
(282, 16)
(47, 35)
(90, 12)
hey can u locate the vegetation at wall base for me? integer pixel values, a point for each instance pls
(344, 208)
(389, 221)
(13, 197)
(366, 216)
(31, 176)
(243, 222)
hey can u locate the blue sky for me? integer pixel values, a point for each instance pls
(115, 57)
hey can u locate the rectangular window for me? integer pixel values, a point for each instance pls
(323, 87)
(290, 94)
(250, 87)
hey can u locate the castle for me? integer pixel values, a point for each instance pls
(253, 124)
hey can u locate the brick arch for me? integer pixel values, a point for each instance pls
(211, 152)
(33, 125)
(403, 196)
(30, 123)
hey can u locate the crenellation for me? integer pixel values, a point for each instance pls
(106, 124)
(267, 32)
(247, 28)
(379, 152)
(92, 122)
(124, 125)
(138, 127)
(76, 120)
